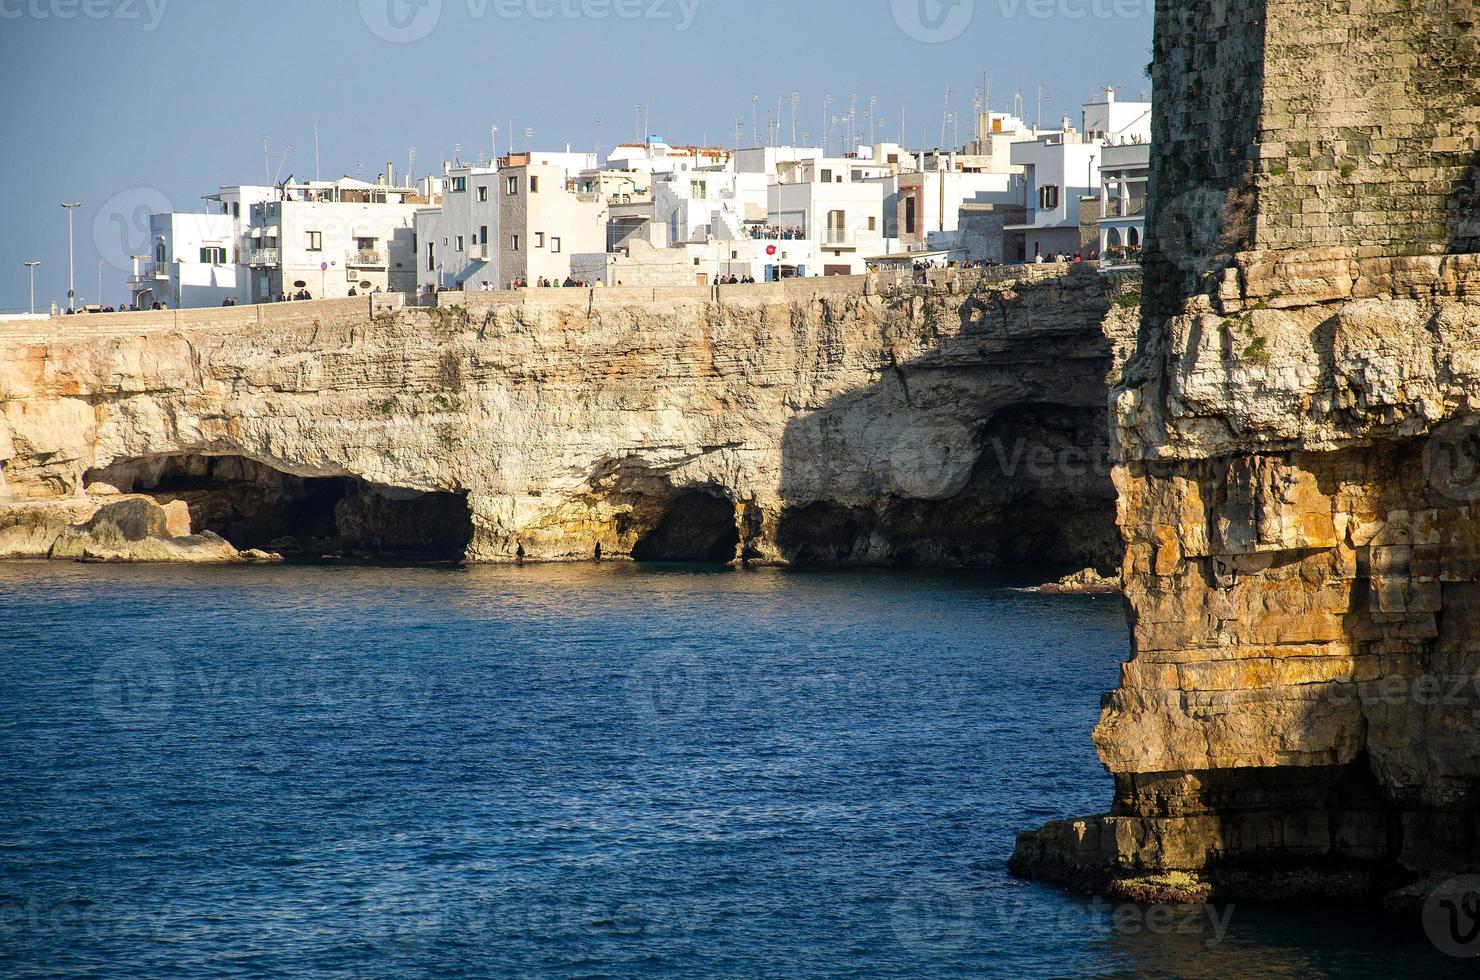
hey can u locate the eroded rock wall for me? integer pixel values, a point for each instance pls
(1298, 435)
(836, 421)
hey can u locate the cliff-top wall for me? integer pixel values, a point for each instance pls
(959, 422)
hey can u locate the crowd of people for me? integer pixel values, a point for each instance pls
(745, 280)
(776, 232)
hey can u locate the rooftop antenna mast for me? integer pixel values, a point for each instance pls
(318, 174)
(281, 163)
(410, 165)
(267, 158)
(493, 137)
(945, 119)
(795, 99)
(600, 121)
(755, 125)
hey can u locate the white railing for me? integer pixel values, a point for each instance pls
(364, 258)
(265, 256)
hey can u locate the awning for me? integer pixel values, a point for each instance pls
(271, 231)
(256, 232)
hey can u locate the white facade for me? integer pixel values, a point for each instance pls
(331, 238)
(457, 243)
(193, 262)
(1124, 173)
(1116, 123)
(543, 220)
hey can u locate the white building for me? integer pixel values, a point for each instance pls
(193, 262)
(331, 238)
(1124, 172)
(544, 218)
(457, 242)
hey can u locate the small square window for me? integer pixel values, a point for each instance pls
(516, 243)
(511, 186)
(483, 192)
(534, 185)
(459, 184)
(315, 241)
(539, 239)
(459, 243)
(555, 244)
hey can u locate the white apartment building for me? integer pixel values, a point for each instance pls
(836, 202)
(1116, 123)
(457, 242)
(544, 219)
(657, 157)
(193, 262)
(333, 237)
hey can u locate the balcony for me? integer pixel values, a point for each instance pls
(365, 259)
(478, 253)
(265, 256)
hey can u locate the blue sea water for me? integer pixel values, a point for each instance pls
(584, 771)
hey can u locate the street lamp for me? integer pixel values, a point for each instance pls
(31, 268)
(71, 271)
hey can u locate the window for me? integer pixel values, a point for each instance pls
(236, 209)
(910, 209)
(837, 223)
(483, 193)
(213, 255)
(459, 243)
(555, 244)
(315, 241)
(459, 184)
(539, 239)
(511, 186)
(534, 185)
(515, 243)
(431, 256)
(827, 176)
(365, 244)
(1048, 196)
(483, 235)
(159, 252)
(701, 190)
(873, 223)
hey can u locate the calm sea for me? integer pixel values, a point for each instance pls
(573, 771)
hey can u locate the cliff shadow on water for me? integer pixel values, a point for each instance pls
(987, 445)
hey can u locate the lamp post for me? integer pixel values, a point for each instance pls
(71, 270)
(31, 268)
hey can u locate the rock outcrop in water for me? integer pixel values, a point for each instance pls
(1299, 443)
(960, 422)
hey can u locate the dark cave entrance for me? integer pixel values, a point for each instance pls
(694, 527)
(253, 505)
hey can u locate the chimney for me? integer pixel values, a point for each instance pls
(390, 174)
(1109, 94)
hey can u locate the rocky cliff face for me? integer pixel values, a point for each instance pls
(955, 423)
(1299, 441)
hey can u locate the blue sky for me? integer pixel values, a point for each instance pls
(133, 105)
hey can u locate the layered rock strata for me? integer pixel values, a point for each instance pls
(1298, 435)
(838, 421)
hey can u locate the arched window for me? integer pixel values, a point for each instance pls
(1133, 237)
(1112, 238)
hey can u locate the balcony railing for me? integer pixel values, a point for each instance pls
(364, 259)
(265, 256)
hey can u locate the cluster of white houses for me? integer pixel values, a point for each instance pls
(655, 214)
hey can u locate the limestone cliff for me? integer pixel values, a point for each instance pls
(1298, 436)
(958, 422)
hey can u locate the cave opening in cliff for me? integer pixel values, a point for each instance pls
(254, 506)
(1038, 496)
(694, 527)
